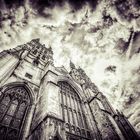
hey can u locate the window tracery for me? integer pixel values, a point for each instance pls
(14, 103)
(72, 112)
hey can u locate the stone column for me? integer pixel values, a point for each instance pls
(96, 132)
(8, 63)
(106, 129)
(28, 122)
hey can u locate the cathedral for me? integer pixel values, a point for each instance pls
(39, 101)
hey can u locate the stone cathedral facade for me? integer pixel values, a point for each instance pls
(39, 101)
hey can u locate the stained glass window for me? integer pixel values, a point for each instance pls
(13, 106)
(74, 116)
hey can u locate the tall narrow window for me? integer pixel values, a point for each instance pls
(74, 116)
(14, 103)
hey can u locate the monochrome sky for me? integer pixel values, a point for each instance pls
(101, 36)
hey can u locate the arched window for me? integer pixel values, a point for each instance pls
(14, 104)
(72, 112)
(35, 51)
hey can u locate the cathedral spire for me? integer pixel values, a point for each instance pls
(72, 66)
(36, 40)
(50, 50)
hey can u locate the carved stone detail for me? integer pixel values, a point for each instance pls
(81, 77)
(17, 93)
(105, 126)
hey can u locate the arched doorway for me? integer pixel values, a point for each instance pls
(14, 105)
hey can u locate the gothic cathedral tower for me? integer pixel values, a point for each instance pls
(39, 101)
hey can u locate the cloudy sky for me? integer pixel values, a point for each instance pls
(101, 36)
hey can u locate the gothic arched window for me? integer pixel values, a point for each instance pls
(35, 52)
(14, 104)
(72, 112)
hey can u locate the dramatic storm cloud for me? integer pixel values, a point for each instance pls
(102, 37)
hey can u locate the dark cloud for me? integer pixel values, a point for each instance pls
(130, 100)
(121, 45)
(41, 4)
(11, 3)
(107, 19)
(111, 68)
(76, 4)
(128, 9)
(135, 46)
(136, 36)
(46, 3)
